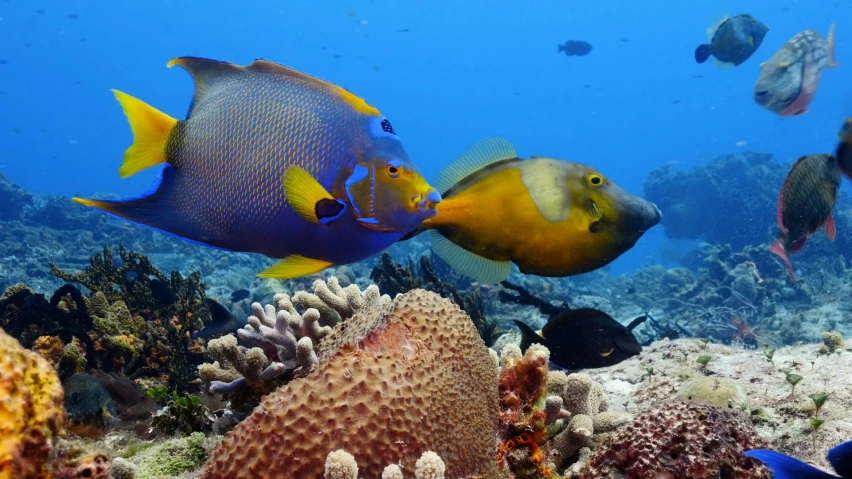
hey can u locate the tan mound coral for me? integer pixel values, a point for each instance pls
(31, 413)
(392, 382)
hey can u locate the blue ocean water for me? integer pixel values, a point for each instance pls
(446, 73)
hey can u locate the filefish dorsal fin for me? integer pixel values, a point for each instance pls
(483, 153)
(482, 270)
(711, 30)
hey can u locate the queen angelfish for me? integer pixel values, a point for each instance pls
(273, 161)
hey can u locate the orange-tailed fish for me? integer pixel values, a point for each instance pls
(789, 80)
(550, 217)
(805, 204)
(273, 161)
(844, 148)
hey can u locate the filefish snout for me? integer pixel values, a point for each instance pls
(639, 215)
(428, 202)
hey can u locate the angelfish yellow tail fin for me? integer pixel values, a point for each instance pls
(151, 129)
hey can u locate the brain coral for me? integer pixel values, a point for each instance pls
(31, 412)
(681, 440)
(392, 382)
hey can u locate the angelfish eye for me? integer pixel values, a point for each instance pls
(595, 180)
(394, 168)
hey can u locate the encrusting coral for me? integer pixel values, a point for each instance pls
(286, 338)
(681, 440)
(31, 412)
(831, 342)
(392, 382)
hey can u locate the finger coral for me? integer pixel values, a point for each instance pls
(681, 440)
(31, 413)
(286, 338)
(392, 382)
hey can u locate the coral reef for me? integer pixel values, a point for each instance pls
(584, 399)
(284, 338)
(90, 466)
(394, 278)
(392, 382)
(31, 413)
(523, 394)
(340, 464)
(681, 440)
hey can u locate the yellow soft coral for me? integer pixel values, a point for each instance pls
(31, 413)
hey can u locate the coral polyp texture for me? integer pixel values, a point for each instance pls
(392, 382)
(681, 440)
(31, 413)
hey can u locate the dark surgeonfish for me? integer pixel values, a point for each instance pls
(574, 48)
(789, 80)
(549, 217)
(805, 204)
(844, 148)
(732, 40)
(221, 321)
(240, 295)
(786, 467)
(583, 339)
(273, 161)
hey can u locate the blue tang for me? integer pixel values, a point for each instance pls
(786, 467)
(273, 161)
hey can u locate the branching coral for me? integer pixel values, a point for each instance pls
(586, 401)
(286, 339)
(392, 382)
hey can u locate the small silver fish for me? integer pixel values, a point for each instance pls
(789, 80)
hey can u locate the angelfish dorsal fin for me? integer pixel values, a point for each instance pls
(478, 156)
(205, 73)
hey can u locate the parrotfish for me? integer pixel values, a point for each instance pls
(805, 204)
(550, 217)
(273, 161)
(732, 40)
(584, 338)
(789, 80)
(786, 467)
(844, 148)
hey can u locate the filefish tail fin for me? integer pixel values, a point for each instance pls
(154, 209)
(831, 45)
(151, 129)
(702, 53)
(778, 248)
(840, 458)
(786, 467)
(295, 266)
(482, 270)
(560, 48)
(528, 335)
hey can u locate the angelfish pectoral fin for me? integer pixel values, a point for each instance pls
(295, 266)
(309, 199)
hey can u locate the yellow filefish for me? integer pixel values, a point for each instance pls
(270, 160)
(550, 217)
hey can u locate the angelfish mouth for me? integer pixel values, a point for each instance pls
(430, 201)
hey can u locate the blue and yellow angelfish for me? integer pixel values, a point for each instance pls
(270, 160)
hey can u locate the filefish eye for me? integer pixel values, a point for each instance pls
(595, 180)
(387, 127)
